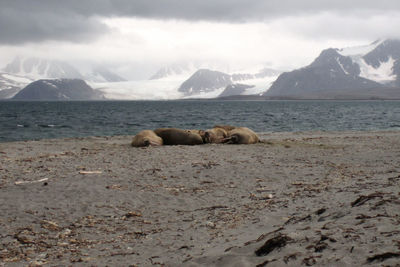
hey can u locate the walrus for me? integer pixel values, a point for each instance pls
(199, 132)
(215, 135)
(195, 131)
(173, 136)
(241, 135)
(225, 127)
(146, 138)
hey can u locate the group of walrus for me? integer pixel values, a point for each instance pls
(219, 134)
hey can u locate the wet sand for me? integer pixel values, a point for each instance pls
(312, 198)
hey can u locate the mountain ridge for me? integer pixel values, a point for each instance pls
(346, 71)
(206, 82)
(41, 68)
(58, 89)
(367, 71)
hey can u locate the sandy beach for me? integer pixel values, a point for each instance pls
(309, 198)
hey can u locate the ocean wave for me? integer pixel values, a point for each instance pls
(53, 126)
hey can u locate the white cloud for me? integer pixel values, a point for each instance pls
(136, 47)
(349, 27)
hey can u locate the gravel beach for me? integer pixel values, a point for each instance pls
(307, 198)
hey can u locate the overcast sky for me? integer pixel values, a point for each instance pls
(135, 37)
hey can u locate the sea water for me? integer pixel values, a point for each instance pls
(41, 120)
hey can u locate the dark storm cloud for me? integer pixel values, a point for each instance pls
(79, 20)
(21, 23)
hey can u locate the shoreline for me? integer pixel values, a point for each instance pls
(261, 134)
(331, 198)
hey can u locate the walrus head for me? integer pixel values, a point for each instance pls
(207, 137)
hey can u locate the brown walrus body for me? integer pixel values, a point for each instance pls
(199, 132)
(225, 127)
(195, 131)
(146, 138)
(173, 136)
(215, 135)
(242, 135)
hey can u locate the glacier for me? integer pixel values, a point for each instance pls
(382, 74)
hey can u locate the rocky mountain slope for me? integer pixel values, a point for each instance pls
(21, 71)
(176, 69)
(102, 74)
(205, 81)
(11, 84)
(357, 72)
(58, 89)
(36, 68)
(39, 68)
(364, 72)
(208, 83)
(235, 89)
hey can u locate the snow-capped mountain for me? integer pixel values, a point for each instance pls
(176, 70)
(22, 71)
(356, 72)
(58, 89)
(372, 71)
(210, 79)
(263, 73)
(11, 84)
(376, 60)
(184, 70)
(202, 84)
(206, 83)
(235, 89)
(102, 74)
(37, 68)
